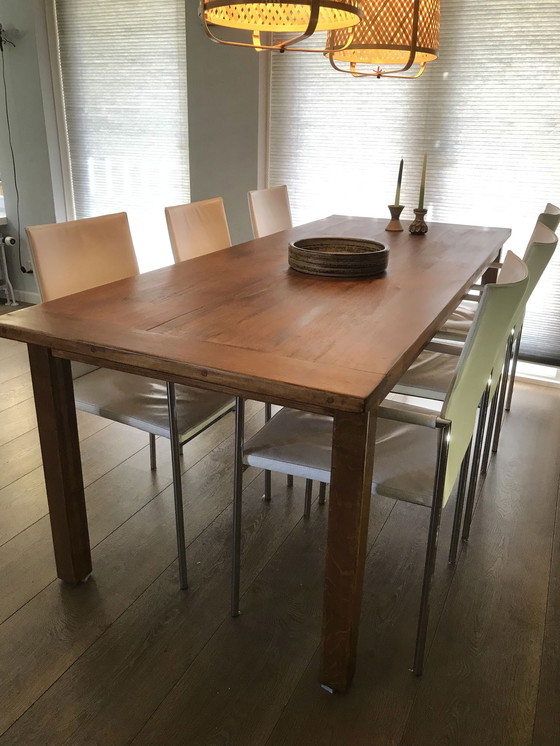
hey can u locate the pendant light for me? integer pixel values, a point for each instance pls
(397, 33)
(299, 17)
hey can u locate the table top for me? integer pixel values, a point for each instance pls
(240, 320)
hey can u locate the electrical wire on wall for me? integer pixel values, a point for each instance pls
(3, 42)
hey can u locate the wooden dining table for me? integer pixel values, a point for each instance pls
(241, 321)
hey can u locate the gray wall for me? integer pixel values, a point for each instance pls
(223, 87)
(28, 134)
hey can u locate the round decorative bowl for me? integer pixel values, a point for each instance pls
(333, 256)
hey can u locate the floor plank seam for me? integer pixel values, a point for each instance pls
(94, 642)
(84, 440)
(18, 404)
(115, 620)
(310, 661)
(226, 619)
(101, 541)
(548, 594)
(102, 476)
(136, 600)
(429, 645)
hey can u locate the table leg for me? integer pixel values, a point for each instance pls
(351, 475)
(58, 432)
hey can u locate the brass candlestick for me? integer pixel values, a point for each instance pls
(418, 226)
(395, 224)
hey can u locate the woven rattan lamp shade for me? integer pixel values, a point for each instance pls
(394, 32)
(291, 16)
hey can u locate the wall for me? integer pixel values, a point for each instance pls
(223, 86)
(28, 136)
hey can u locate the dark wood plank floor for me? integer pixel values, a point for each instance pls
(128, 658)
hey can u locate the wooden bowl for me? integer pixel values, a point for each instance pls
(338, 257)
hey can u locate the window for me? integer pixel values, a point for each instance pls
(487, 112)
(124, 86)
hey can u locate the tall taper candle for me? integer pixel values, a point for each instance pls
(423, 183)
(399, 182)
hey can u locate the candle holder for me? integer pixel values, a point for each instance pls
(395, 224)
(418, 226)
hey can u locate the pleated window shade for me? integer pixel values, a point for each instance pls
(124, 79)
(487, 113)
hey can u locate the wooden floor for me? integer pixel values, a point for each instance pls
(128, 658)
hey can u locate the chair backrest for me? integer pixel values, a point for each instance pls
(550, 217)
(197, 228)
(270, 211)
(488, 333)
(537, 255)
(81, 254)
(539, 252)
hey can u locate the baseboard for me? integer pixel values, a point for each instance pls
(27, 296)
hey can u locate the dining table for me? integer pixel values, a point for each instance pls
(242, 322)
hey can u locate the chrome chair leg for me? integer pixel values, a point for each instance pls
(431, 550)
(513, 369)
(322, 493)
(267, 486)
(177, 485)
(477, 450)
(308, 491)
(268, 474)
(502, 397)
(460, 501)
(490, 430)
(237, 505)
(153, 456)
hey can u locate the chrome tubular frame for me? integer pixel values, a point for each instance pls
(237, 504)
(502, 395)
(477, 451)
(177, 485)
(308, 494)
(267, 474)
(431, 548)
(490, 429)
(459, 503)
(513, 369)
(153, 455)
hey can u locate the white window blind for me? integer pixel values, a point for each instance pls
(487, 113)
(124, 80)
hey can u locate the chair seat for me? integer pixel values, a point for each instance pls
(82, 369)
(430, 375)
(300, 443)
(142, 402)
(459, 323)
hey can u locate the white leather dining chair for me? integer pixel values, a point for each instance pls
(456, 328)
(429, 374)
(197, 228)
(83, 254)
(270, 210)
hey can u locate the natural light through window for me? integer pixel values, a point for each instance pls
(123, 69)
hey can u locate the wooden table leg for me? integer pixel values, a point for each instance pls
(352, 467)
(58, 432)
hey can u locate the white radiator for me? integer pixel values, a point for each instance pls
(5, 283)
